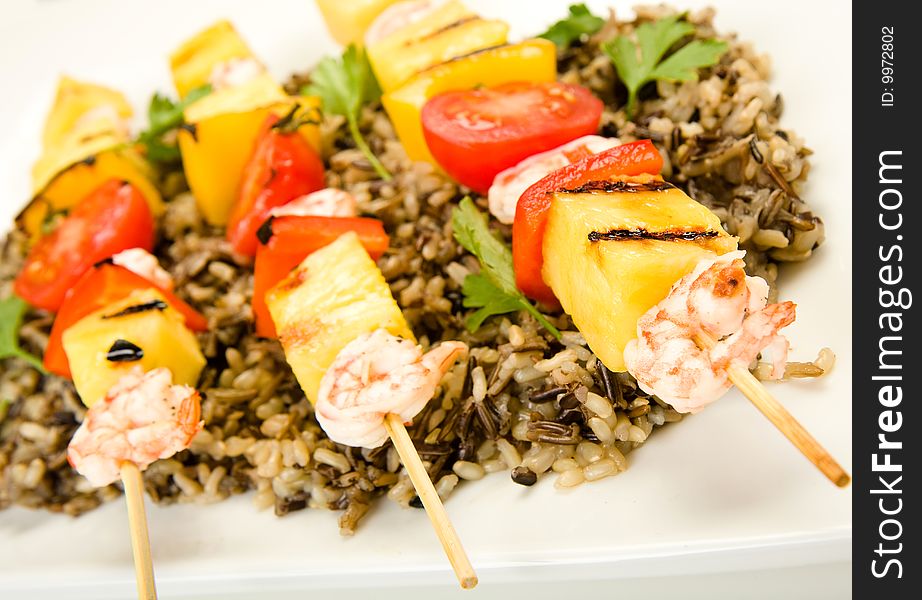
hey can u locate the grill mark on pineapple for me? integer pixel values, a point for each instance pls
(462, 57)
(621, 235)
(124, 351)
(619, 185)
(293, 281)
(300, 333)
(443, 29)
(139, 308)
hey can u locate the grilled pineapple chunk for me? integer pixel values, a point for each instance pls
(448, 32)
(224, 124)
(193, 62)
(335, 295)
(85, 142)
(613, 249)
(159, 331)
(348, 21)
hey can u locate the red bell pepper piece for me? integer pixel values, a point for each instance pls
(113, 217)
(283, 167)
(286, 241)
(98, 288)
(530, 222)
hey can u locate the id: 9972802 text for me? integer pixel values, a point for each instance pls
(886, 65)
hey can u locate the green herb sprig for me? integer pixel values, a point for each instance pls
(580, 22)
(344, 86)
(493, 290)
(12, 310)
(641, 62)
(163, 116)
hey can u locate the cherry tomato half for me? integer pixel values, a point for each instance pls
(114, 217)
(530, 221)
(475, 134)
(283, 167)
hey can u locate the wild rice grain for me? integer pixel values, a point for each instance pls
(615, 455)
(636, 434)
(524, 476)
(541, 461)
(479, 384)
(601, 430)
(516, 336)
(494, 465)
(486, 450)
(468, 470)
(564, 464)
(600, 469)
(189, 486)
(570, 478)
(589, 452)
(598, 405)
(336, 460)
(508, 452)
(446, 485)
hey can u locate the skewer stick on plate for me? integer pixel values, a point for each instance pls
(137, 522)
(431, 501)
(753, 389)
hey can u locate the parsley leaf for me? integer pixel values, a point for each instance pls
(163, 116)
(493, 290)
(653, 41)
(11, 311)
(580, 22)
(344, 86)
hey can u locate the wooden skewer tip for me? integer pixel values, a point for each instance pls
(451, 543)
(769, 406)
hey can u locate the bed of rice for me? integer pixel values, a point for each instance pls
(524, 404)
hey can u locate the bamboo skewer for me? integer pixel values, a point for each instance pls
(137, 523)
(753, 389)
(431, 501)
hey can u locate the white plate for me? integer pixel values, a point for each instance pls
(722, 491)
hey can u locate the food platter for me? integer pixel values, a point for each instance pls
(722, 492)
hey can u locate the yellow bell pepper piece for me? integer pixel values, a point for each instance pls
(80, 179)
(531, 60)
(85, 143)
(348, 20)
(194, 61)
(222, 126)
(336, 294)
(161, 335)
(221, 133)
(446, 33)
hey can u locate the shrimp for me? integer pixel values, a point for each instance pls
(509, 185)
(376, 374)
(143, 418)
(395, 17)
(235, 72)
(718, 299)
(143, 263)
(328, 202)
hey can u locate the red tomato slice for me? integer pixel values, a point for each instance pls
(475, 134)
(290, 240)
(114, 217)
(98, 288)
(283, 167)
(530, 222)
